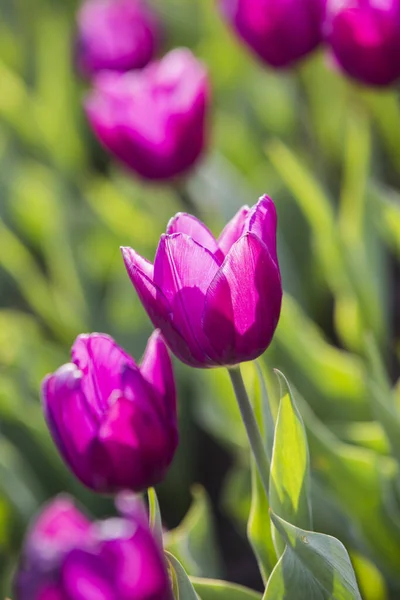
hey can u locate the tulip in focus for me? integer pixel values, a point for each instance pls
(280, 32)
(114, 423)
(66, 557)
(153, 121)
(364, 36)
(217, 302)
(116, 35)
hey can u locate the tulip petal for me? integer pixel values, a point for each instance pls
(132, 444)
(86, 577)
(156, 368)
(262, 221)
(155, 303)
(70, 418)
(184, 223)
(233, 230)
(184, 270)
(243, 302)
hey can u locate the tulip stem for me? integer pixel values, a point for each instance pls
(252, 429)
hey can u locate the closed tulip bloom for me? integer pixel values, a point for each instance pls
(153, 121)
(364, 37)
(217, 302)
(66, 557)
(116, 35)
(280, 32)
(114, 423)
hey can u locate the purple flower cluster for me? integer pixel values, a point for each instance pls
(363, 36)
(68, 557)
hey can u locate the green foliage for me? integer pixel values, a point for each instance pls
(289, 488)
(193, 542)
(312, 566)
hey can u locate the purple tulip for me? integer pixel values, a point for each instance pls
(66, 557)
(364, 36)
(116, 35)
(114, 423)
(153, 121)
(280, 32)
(217, 302)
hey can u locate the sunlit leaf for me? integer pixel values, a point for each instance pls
(313, 567)
(214, 589)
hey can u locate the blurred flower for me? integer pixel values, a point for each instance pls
(153, 121)
(280, 31)
(114, 423)
(66, 557)
(217, 302)
(116, 35)
(364, 36)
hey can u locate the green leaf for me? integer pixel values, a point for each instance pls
(193, 541)
(214, 589)
(370, 580)
(181, 584)
(289, 489)
(314, 566)
(155, 516)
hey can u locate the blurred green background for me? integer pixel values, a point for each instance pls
(329, 155)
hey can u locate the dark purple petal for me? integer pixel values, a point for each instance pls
(243, 302)
(156, 368)
(184, 270)
(71, 419)
(101, 362)
(280, 32)
(233, 230)
(364, 38)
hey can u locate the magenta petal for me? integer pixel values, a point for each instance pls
(233, 230)
(184, 223)
(184, 270)
(155, 303)
(71, 419)
(262, 221)
(156, 368)
(243, 302)
(86, 577)
(101, 361)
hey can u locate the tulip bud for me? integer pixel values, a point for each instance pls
(217, 302)
(113, 422)
(364, 37)
(154, 120)
(115, 35)
(66, 557)
(280, 32)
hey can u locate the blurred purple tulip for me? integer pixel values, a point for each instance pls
(280, 32)
(217, 302)
(364, 36)
(114, 423)
(153, 121)
(66, 557)
(115, 35)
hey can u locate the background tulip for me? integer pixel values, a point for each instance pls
(66, 557)
(280, 32)
(113, 422)
(153, 121)
(364, 36)
(217, 302)
(118, 35)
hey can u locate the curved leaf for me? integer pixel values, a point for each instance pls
(214, 589)
(314, 566)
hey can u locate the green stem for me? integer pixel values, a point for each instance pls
(185, 199)
(252, 429)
